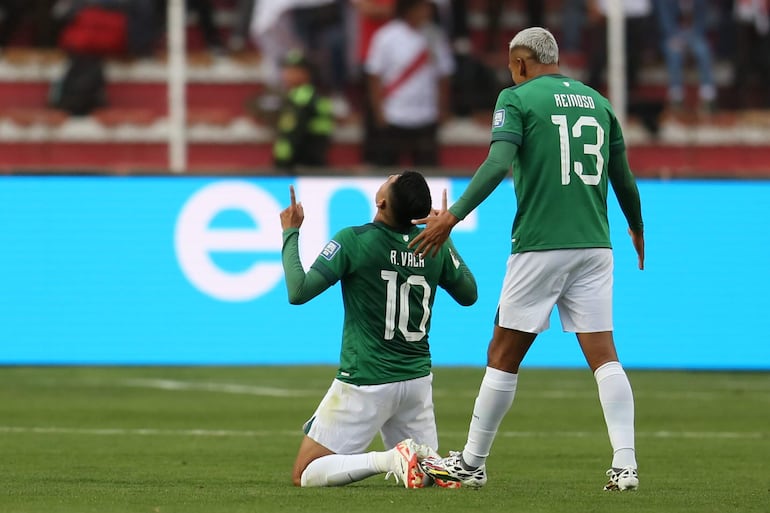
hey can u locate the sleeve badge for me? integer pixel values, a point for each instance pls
(331, 249)
(498, 119)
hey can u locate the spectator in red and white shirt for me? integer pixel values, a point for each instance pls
(408, 66)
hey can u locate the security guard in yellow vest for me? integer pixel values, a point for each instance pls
(305, 121)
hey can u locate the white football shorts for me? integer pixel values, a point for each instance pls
(577, 281)
(350, 416)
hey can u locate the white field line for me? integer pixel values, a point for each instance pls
(51, 430)
(642, 434)
(229, 388)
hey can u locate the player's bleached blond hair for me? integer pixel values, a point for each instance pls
(540, 42)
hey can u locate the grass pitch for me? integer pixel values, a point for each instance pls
(223, 440)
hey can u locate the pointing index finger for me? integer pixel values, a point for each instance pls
(293, 196)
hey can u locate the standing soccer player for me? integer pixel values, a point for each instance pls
(383, 383)
(564, 143)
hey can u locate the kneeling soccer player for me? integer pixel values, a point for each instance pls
(384, 381)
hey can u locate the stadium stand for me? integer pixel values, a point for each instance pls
(129, 135)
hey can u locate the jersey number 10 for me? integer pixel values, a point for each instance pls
(588, 149)
(397, 305)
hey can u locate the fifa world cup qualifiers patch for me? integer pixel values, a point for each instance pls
(330, 250)
(498, 119)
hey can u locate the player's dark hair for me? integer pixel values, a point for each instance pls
(409, 199)
(404, 6)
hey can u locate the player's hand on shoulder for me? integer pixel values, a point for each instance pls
(293, 215)
(438, 226)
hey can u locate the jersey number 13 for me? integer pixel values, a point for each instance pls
(588, 149)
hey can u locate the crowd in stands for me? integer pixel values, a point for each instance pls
(403, 67)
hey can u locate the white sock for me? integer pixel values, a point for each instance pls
(493, 402)
(342, 469)
(617, 401)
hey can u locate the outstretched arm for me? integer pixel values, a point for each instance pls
(301, 286)
(487, 177)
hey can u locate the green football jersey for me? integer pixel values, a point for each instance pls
(388, 293)
(567, 133)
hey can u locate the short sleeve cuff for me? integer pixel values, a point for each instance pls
(507, 137)
(327, 273)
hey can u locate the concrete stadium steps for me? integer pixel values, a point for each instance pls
(217, 92)
(153, 96)
(222, 83)
(239, 158)
(130, 134)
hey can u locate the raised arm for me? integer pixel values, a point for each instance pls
(301, 286)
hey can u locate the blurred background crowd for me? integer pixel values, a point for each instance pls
(397, 71)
